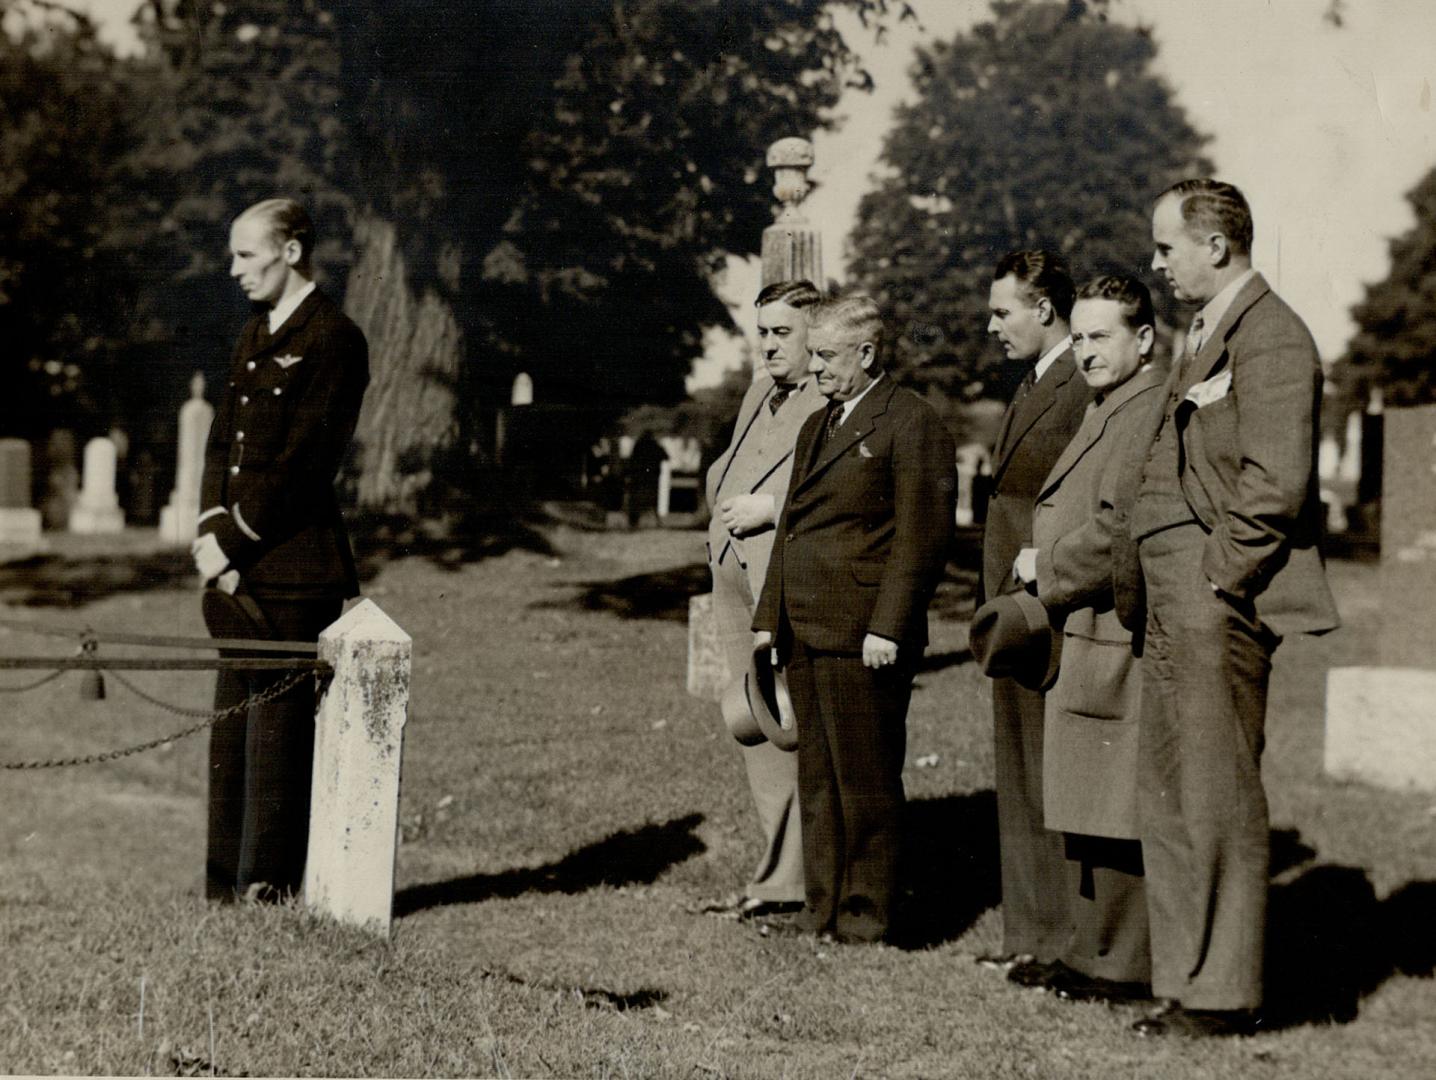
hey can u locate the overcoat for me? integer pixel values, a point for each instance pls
(1090, 726)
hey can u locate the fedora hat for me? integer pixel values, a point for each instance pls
(1011, 638)
(756, 705)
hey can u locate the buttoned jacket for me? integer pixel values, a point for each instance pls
(865, 532)
(758, 461)
(1246, 409)
(280, 434)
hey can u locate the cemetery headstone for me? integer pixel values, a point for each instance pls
(1381, 720)
(19, 522)
(62, 479)
(179, 520)
(97, 510)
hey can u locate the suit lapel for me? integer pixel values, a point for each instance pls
(790, 419)
(732, 452)
(1030, 409)
(1209, 357)
(265, 343)
(1094, 424)
(853, 430)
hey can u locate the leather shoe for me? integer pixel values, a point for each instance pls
(1002, 962)
(753, 909)
(1071, 985)
(1035, 974)
(1198, 1023)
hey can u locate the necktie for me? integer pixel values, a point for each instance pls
(1194, 335)
(835, 419)
(776, 399)
(1025, 387)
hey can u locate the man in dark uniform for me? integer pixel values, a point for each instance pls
(272, 537)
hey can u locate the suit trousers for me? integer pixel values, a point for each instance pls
(260, 768)
(1203, 811)
(1107, 905)
(1035, 886)
(852, 738)
(772, 773)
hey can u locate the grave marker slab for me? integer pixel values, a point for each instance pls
(97, 510)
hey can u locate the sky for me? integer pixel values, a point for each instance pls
(1324, 128)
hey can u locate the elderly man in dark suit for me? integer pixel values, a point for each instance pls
(1030, 301)
(746, 488)
(1226, 526)
(860, 548)
(272, 537)
(1091, 737)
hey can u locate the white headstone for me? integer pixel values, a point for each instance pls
(97, 510)
(523, 390)
(19, 522)
(179, 519)
(358, 747)
(1350, 468)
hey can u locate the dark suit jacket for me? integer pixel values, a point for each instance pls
(279, 436)
(1034, 431)
(1249, 464)
(864, 536)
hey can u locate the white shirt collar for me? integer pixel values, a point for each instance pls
(1050, 357)
(1216, 307)
(852, 403)
(287, 307)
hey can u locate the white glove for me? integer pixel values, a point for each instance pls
(228, 581)
(209, 558)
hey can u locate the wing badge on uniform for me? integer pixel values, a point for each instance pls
(287, 361)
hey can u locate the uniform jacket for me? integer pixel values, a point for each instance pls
(1034, 431)
(279, 436)
(1089, 782)
(1248, 406)
(864, 536)
(758, 461)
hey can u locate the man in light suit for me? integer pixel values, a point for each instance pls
(1091, 737)
(860, 548)
(272, 537)
(1225, 530)
(1030, 301)
(746, 488)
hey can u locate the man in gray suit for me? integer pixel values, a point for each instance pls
(1223, 537)
(746, 488)
(1030, 301)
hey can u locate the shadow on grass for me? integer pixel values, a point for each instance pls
(68, 581)
(660, 595)
(631, 857)
(949, 871)
(380, 539)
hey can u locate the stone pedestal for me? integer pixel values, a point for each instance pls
(792, 248)
(1381, 727)
(358, 746)
(1381, 720)
(708, 673)
(97, 510)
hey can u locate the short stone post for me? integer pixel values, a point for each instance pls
(358, 746)
(708, 674)
(179, 520)
(98, 508)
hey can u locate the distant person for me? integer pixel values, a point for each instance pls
(859, 550)
(1030, 301)
(272, 539)
(1090, 738)
(1225, 526)
(746, 488)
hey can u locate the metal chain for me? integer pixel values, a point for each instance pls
(27, 687)
(209, 719)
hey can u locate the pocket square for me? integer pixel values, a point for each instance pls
(287, 361)
(863, 450)
(1210, 390)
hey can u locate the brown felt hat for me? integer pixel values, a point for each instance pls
(1011, 638)
(756, 705)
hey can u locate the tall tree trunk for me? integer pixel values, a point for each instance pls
(415, 348)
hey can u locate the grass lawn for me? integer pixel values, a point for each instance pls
(567, 812)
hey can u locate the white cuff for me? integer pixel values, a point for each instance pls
(213, 511)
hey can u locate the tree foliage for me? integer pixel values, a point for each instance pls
(1395, 344)
(1043, 127)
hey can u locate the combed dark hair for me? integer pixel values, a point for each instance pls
(796, 294)
(287, 220)
(1043, 273)
(1210, 206)
(857, 314)
(1127, 291)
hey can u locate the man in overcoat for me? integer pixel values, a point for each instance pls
(1030, 301)
(1092, 710)
(860, 548)
(271, 536)
(1224, 533)
(746, 488)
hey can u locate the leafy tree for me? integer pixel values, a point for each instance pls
(1043, 127)
(1395, 344)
